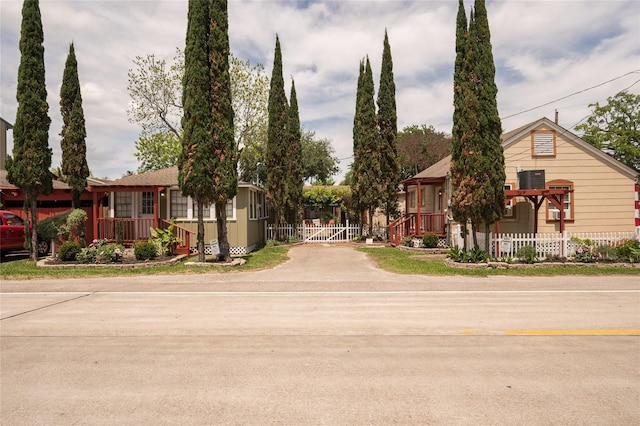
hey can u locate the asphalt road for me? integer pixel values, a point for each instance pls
(325, 338)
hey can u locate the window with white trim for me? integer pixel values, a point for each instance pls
(182, 207)
(553, 213)
(543, 143)
(147, 203)
(253, 204)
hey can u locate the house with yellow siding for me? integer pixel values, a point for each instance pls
(596, 192)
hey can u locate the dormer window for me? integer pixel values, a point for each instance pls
(543, 143)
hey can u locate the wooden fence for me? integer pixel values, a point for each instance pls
(553, 244)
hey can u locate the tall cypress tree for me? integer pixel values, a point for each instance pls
(367, 149)
(294, 158)
(74, 148)
(477, 167)
(388, 126)
(29, 167)
(277, 169)
(461, 125)
(195, 170)
(489, 125)
(357, 143)
(225, 155)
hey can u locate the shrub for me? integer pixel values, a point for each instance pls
(166, 238)
(477, 255)
(109, 253)
(629, 251)
(50, 228)
(430, 240)
(87, 255)
(457, 254)
(408, 241)
(74, 225)
(145, 250)
(527, 254)
(584, 250)
(69, 250)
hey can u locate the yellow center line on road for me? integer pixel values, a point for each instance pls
(596, 332)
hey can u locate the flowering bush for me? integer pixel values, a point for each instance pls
(100, 251)
(585, 251)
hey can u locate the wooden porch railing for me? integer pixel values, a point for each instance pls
(130, 230)
(184, 234)
(412, 226)
(124, 229)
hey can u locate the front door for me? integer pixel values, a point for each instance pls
(145, 215)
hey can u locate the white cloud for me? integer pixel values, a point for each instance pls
(544, 50)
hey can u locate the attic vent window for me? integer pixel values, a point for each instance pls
(543, 143)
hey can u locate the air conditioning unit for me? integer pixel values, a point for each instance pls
(555, 215)
(531, 179)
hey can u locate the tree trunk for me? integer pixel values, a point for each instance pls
(223, 240)
(201, 255)
(486, 239)
(371, 210)
(474, 231)
(33, 246)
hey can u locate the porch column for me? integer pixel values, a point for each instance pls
(95, 212)
(156, 206)
(418, 211)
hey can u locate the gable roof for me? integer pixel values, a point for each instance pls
(442, 167)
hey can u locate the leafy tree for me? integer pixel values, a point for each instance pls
(196, 163)
(28, 169)
(420, 147)
(155, 88)
(318, 161)
(388, 127)
(157, 151)
(294, 157)
(367, 148)
(74, 148)
(225, 154)
(276, 151)
(615, 128)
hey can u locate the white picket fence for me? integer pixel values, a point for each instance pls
(314, 233)
(552, 244)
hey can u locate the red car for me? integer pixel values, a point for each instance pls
(12, 234)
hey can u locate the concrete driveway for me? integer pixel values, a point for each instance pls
(325, 338)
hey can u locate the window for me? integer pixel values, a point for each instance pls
(179, 203)
(253, 204)
(543, 143)
(553, 213)
(123, 204)
(206, 211)
(510, 211)
(230, 209)
(147, 203)
(412, 198)
(423, 197)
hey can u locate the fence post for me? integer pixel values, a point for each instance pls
(564, 246)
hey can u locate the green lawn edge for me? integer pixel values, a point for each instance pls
(401, 262)
(265, 258)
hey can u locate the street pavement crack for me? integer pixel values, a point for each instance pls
(47, 306)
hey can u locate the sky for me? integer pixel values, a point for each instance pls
(549, 55)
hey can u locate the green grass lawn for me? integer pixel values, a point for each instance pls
(265, 258)
(401, 262)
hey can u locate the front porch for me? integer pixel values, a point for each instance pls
(128, 231)
(415, 225)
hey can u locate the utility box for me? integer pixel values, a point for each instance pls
(531, 179)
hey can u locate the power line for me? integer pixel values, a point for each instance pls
(576, 93)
